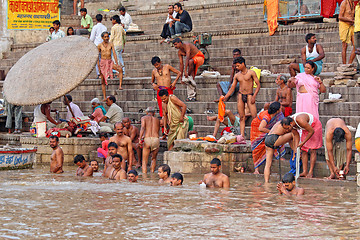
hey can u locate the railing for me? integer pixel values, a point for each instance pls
(296, 9)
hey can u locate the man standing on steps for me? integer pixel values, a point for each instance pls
(149, 138)
(162, 74)
(57, 156)
(95, 35)
(182, 20)
(133, 133)
(194, 59)
(246, 79)
(174, 115)
(338, 147)
(117, 37)
(311, 52)
(346, 28)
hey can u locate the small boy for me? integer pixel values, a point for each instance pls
(164, 173)
(176, 179)
(133, 176)
(284, 95)
(288, 186)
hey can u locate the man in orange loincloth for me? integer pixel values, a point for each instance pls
(194, 59)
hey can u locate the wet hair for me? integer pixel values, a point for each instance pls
(112, 144)
(122, 9)
(155, 59)
(339, 135)
(104, 33)
(112, 98)
(312, 64)
(79, 158)
(54, 137)
(99, 17)
(53, 28)
(67, 31)
(105, 135)
(94, 161)
(57, 22)
(236, 50)
(309, 36)
(176, 40)
(216, 161)
(165, 168)
(69, 97)
(239, 60)
(178, 176)
(286, 121)
(133, 172)
(117, 156)
(83, 10)
(288, 178)
(179, 5)
(283, 78)
(274, 107)
(116, 18)
(163, 92)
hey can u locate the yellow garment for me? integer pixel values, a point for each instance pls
(346, 32)
(118, 36)
(272, 7)
(178, 130)
(357, 18)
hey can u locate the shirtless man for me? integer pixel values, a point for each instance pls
(133, 176)
(117, 172)
(133, 133)
(95, 165)
(246, 78)
(284, 95)
(112, 150)
(177, 179)
(216, 179)
(194, 59)
(282, 132)
(106, 64)
(84, 170)
(162, 74)
(149, 137)
(346, 28)
(124, 143)
(288, 186)
(337, 151)
(57, 156)
(164, 173)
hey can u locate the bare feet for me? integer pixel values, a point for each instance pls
(303, 174)
(120, 88)
(309, 175)
(332, 176)
(256, 171)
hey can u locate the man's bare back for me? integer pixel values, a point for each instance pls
(132, 133)
(57, 160)
(219, 180)
(188, 47)
(105, 50)
(151, 126)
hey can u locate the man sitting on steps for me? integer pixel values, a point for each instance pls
(182, 20)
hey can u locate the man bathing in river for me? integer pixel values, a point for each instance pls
(133, 133)
(112, 150)
(164, 173)
(288, 186)
(57, 156)
(133, 176)
(84, 170)
(216, 179)
(194, 59)
(124, 143)
(117, 172)
(176, 179)
(162, 74)
(246, 79)
(338, 147)
(149, 138)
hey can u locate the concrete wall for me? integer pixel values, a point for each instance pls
(5, 41)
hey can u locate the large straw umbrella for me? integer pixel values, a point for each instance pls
(50, 71)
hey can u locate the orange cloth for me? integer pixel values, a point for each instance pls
(199, 59)
(221, 110)
(272, 15)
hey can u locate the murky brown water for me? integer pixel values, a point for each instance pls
(35, 204)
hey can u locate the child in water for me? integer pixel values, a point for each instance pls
(288, 186)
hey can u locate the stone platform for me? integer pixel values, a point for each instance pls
(194, 156)
(71, 146)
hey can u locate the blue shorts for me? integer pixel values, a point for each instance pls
(318, 66)
(225, 86)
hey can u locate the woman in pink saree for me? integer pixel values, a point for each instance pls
(307, 100)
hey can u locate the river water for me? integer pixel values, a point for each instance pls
(39, 205)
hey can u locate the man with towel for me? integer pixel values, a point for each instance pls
(174, 114)
(346, 28)
(337, 151)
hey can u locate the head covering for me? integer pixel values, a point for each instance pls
(95, 100)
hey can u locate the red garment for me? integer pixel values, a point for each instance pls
(159, 99)
(328, 7)
(288, 111)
